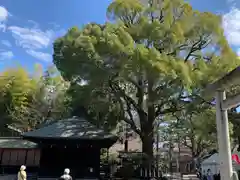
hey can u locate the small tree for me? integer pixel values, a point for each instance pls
(36, 99)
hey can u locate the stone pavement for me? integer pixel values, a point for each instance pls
(190, 177)
(13, 177)
(185, 177)
(8, 177)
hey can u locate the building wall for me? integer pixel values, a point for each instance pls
(18, 157)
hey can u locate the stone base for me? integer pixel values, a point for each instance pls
(13, 177)
(8, 177)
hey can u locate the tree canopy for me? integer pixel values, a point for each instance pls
(145, 62)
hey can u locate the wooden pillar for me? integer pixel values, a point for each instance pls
(2, 155)
(97, 163)
(2, 170)
(25, 160)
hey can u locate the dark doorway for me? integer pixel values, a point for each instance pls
(82, 162)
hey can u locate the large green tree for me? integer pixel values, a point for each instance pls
(144, 62)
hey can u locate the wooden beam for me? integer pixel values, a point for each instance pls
(14, 129)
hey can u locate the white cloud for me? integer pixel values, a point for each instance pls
(32, 38)
(3, 14)
(231, 25)
(6, 43)
(35, 24)
(6, 55)
(3, 18)
(40, 55)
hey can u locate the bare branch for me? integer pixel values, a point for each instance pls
(197, 46)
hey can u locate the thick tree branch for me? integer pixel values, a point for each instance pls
(199, 147)
(185, 143)
(130, 120)
(120, 92)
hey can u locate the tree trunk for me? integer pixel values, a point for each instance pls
(148, 127)
(179, 155)
(193, 168)
(193, 149)
(147, 135)
(147, 144)
(126, 145)
(238, 138)
(170, 153)
(157, 151)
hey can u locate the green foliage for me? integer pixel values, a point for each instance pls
(29, 101)
(195, 129)
(15, 89)
(143, 62)
(109, 158)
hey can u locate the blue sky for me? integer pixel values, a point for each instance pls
(28, 28)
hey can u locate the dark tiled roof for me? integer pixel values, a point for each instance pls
(16, 143)
(71, 128)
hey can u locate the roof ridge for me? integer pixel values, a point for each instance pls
(11, 137)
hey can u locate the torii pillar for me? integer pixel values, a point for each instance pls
(222, 105)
